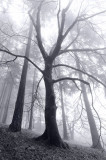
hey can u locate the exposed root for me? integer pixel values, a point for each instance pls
(59, 144)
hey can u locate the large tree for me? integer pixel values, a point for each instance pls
(51, 131)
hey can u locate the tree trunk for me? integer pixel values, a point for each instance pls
(94, 133)
(65, 135)
(71, 129)
(32, 104)
(15, 125)
(51, 132)
(2, 97)
(6, 107)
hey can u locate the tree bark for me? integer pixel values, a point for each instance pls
(65, 135)
(51, 132)
(94, 133)
(15, 125)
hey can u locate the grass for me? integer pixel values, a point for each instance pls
(21, 146)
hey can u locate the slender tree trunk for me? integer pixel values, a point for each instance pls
(92, 124)
(2, 97)
(40, 120)
(15, 125)
(65, 135)
(6, 107)
(71, 129)
(32, 104)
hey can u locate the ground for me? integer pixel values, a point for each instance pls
(21, 146)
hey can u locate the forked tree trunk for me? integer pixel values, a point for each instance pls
(15, 125)
(51, 132)
(94, 133)
(65, 135)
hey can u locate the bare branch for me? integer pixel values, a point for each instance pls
(72, 79)
(20, 56)
(89, 75)
(58, 21)
(37, 27)
(78, 19)
(5, 62)
(82, 50)
(61, 28)
(68, 30)
(78, 32)
(86, 18)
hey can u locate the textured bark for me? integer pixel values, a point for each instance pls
(65, 135)
(51, 132)
(94, 133)
(15, 125)
(50, 107)
(32, 104)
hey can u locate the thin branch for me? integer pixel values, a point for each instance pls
(61, 28)
(37, 27)
(86, 18)
(89, 75)
(78, 32)
(58, 21)
(20, 56)
(35, 94)
(77, 19)
(68, 30)
(82, 50)
(72, 79)
(5, 62)
(77, 86)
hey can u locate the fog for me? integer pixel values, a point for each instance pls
(73, 35)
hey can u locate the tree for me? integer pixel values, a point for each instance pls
(65, 134)
(50, 106)
(94, 133)
(6, 107)
(32, 103)
(18, 112)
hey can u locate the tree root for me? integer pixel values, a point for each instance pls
(59, 143)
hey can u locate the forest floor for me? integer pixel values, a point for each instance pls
(21, 146)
